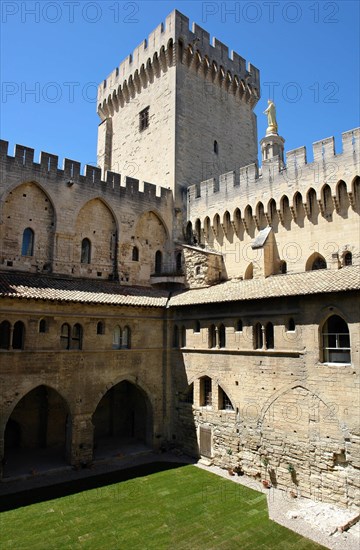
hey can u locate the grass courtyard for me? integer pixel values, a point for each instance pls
(182, 508)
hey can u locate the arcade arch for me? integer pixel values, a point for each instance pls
(122, 418)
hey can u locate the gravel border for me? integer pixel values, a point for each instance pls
(317, 521)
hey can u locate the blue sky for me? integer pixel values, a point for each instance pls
(53, 53)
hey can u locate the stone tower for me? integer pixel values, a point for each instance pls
(178, 109)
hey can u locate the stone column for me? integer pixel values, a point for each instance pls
(82, 440)
(11, 337)
(263, 332)
(217, 344)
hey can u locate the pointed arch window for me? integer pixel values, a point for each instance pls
(18, 335)
(126, 338)
(283, 267)
(291, 325)
(222, 336)
(76, 339)
(347, 258)
(336, 341)
(205, 391)
(5, 332)
(318, 263)
(198, 231)
(65, 336)
(100, 328)
(327, 199)
(269, 336)
(27, 247)
(258, 336)
(249, 273)
(85, 251)
(312, 204)
(116, 338)
(212, 337)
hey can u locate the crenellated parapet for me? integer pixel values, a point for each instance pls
(61, 209)
(174, 43)
(23, 166)
(250, 184)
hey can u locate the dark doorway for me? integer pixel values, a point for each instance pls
(36, 438)
(122, 421)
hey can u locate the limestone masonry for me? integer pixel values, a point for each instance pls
(214, 311)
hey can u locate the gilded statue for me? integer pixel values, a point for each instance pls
(271, 116)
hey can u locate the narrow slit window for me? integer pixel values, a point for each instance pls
(85, 251)
(135, 254)
(27, 248)
(144, 119)
(76, 340)
(205, 391)
(126, 338)
(65, 336)
(18, 335)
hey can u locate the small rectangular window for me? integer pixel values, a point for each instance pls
(144, 119)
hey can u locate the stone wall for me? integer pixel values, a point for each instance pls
(82, 377)
(62, 207)
(202, 268)
(320, 217)
(190, 85)
(294, 418)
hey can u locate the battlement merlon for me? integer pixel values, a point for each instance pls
(23, 162)
(323, 151)
(176, 28)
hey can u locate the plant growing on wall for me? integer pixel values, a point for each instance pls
(265, 462)
(230, 468)
(291, 469)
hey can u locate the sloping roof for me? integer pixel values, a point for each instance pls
(44, 287)
(310, 282)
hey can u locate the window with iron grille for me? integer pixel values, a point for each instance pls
(144, 119)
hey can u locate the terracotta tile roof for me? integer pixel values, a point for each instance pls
(24, 285)
(310, 282)
(45, 287)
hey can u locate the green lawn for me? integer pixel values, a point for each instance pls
(175, 509)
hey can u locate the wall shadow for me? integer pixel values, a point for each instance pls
(33, 495)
